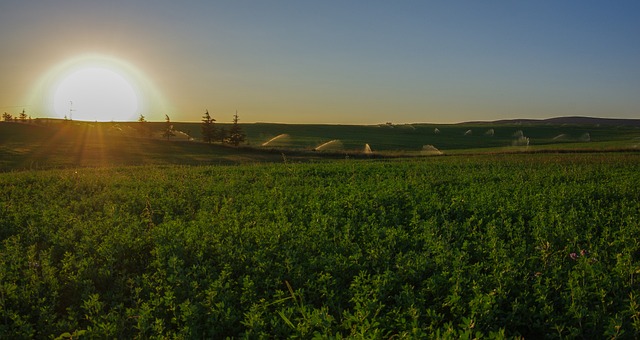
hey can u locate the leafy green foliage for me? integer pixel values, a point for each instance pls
(449, 247)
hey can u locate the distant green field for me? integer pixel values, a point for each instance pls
(460, 247)
(34, 147)
(412, 137)
(80, 144)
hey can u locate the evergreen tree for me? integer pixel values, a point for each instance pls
(168, 132)
(236, 136)
(143, 127)
(208, 128)
(7, 117)
(23, 116)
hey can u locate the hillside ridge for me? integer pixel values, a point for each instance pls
(573, 120)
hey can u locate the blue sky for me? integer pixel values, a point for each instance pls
(341, 61)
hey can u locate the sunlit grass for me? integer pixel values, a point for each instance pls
(537, 245)
(80, 144)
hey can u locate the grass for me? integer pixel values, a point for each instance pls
(81, 144)
(121, 238)
(84, 145)
(475, 246)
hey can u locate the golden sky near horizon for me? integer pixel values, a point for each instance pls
(320, 62)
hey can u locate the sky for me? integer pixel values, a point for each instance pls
(334, 62)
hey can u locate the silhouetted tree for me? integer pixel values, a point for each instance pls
(143, 127)
(168, 132)
(7, 117)
(208, 128)
(236, 136)
(23, 116)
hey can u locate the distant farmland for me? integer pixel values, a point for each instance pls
(413, 137)
(61, 144)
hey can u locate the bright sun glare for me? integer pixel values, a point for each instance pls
(94, 93)
(95, 87)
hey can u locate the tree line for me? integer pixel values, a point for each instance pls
(22, 117)
(210, 131)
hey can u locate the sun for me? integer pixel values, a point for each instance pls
(94, 93)
(96, 87)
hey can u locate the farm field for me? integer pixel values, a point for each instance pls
(57, 144)
(410, 139)
(486, 246)
(319, 170)
(446, 138)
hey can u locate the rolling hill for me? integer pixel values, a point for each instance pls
(55, 143)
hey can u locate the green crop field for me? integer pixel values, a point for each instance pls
(455, 138)
(57, 144)
(105, 235)
(541, 245)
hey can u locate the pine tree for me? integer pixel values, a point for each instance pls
(168, 132)
(23, 116)
(236, 136)
(7, 117)
(208, 128)
(143, 127)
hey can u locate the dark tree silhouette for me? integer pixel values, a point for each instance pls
(168, 132)
(23, 116)
(236, 136)
(143, 127)
(7, 117)
(208, 128)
